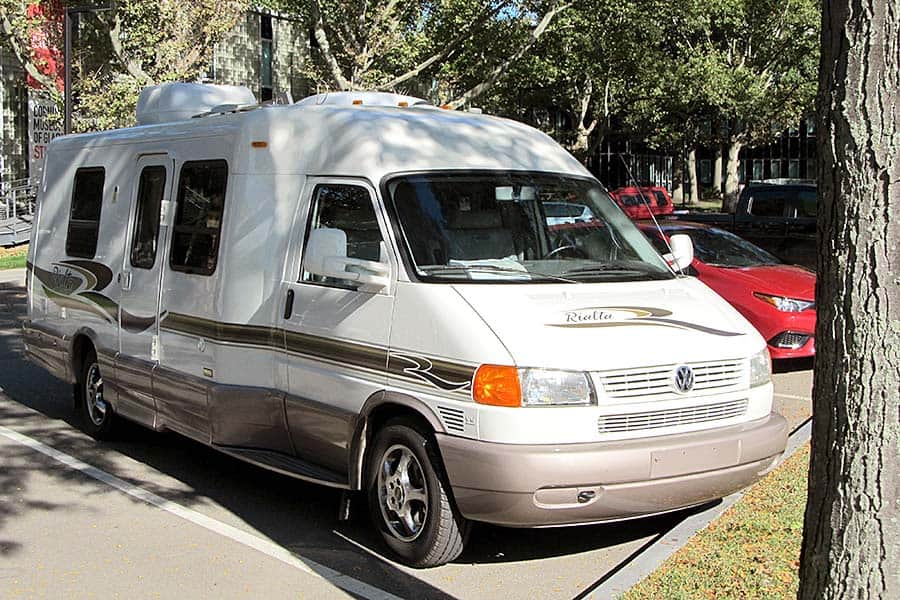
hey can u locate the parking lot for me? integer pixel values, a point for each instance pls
(157, 515)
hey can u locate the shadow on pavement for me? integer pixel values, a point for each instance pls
(298, 516)
(790, 365)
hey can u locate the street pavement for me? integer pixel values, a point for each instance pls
(159, 516)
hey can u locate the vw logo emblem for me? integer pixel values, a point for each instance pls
(684, 379)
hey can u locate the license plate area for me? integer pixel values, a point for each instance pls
(694, 459)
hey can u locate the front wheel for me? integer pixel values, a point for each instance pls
(96, 414)
(409, 500)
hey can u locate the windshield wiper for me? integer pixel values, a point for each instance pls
(528, 275)
(617, 270)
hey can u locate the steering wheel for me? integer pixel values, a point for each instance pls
(575, 250)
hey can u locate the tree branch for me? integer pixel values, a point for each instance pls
(47, 82)
(321, 36)
(500, 69)
(132, 67)
(446, 51)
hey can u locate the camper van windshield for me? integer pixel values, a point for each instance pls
(504, 227)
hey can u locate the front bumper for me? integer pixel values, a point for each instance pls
(566, 484)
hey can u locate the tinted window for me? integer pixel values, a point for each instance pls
(84, 218)
(806, 205)
(146, 220)
(350, 209)
(767, 204)
(198, 216)
(660, 198)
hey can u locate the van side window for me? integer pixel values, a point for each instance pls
(146, 219)
(767, 204)
(350, 209)
(84, 217)
(198, 216)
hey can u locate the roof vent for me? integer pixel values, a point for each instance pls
(363, 98)
(169, 102)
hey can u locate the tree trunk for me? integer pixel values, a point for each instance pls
(732, 183)
(851, 541)
(717, 171)
(694, 194)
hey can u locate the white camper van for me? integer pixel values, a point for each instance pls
(365, 291)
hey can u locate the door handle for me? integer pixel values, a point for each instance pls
(289, 305)
(124, 280)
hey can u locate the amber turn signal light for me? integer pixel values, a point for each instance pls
(497, 385)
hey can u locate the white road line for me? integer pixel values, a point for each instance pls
(792, 396)
(267, 547)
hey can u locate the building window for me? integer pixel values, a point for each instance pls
(811, 127)
(265, 58)
(757, 170)
(84, 216)
(794, 168)
(146, 219)
(811, 168)
(198, 216)
(775, 168)
(705, 172)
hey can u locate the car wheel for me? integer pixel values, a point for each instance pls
(96, 413)
(409, 497)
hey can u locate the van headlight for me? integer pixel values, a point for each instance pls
(546, 387)
(760, 368)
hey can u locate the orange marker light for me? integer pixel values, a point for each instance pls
(403, 104)
(356, 102)
(497, 385)
(445, 106)
(259, 144)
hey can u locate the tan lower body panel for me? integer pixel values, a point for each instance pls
(553, 485)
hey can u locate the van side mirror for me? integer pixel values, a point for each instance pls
(326, 255)
(682, 250)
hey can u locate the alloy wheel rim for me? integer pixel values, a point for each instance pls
(402, 493)
(93, 393)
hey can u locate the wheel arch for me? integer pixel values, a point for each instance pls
(378, 409)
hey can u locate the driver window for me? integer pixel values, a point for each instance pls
(348, 208)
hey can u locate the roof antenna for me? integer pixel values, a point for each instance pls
(649, 210)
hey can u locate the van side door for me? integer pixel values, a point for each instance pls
(336, 331)
(140, 279)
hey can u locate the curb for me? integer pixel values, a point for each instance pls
(649, 557)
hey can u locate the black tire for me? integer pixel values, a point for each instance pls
(96, 414)
(439, 532)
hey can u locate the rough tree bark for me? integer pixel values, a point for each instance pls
(851, 542)
(694, 193)
(717, 170)
(732, 182)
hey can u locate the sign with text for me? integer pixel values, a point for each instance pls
(44, 124)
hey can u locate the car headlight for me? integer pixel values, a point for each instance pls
(760, 368)
(785, 304)
(545, 387)
(510, 386)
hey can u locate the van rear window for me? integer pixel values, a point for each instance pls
(84, 217)
(198, 216)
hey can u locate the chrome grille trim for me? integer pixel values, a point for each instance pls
(709, 377)
(674, 417)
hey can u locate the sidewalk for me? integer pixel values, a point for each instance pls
(16, 276)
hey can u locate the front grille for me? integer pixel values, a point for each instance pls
(454, 418)
(721, 376)
(643, 421)
(790, 339)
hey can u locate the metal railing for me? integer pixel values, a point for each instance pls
(16, 210)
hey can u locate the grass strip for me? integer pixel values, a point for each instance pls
(752, 551)
(13, 258)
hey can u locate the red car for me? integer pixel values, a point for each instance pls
(778, 299)
(640, 203)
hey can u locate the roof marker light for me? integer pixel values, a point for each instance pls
(259, 144)
(357, 102)
(403, 104)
